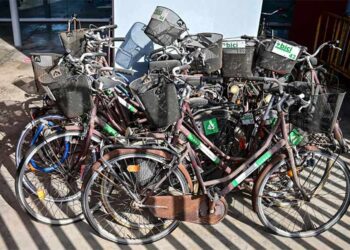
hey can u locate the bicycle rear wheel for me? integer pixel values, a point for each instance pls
(47, 181)
(279, 203)
(25, 140)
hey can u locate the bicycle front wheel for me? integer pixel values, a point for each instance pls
(279, 203)
(113, 212)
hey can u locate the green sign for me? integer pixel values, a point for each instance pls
(211, 126)
(286, 50)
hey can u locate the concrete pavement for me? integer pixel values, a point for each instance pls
(241, 229)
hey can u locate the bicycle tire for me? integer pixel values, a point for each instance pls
(310, 220)
(90, 209)
(54, 190)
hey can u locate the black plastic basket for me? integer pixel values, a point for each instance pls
(210, 59)
(238, 57)
(158, 96)
(165, 26)
(72, 94)
(321, 115)
(268, 57)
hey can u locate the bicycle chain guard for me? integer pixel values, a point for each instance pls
(191, 208)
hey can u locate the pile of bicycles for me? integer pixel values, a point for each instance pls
(210, 115)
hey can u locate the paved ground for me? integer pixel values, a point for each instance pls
(239, 230)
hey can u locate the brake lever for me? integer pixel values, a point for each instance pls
(335, 47)
(304, 105)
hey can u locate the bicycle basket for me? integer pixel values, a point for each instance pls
(135, 46)
(238, 57)
(210, 59)
(321, 115)
(42, 64)
(72, 95)
(278, 55)
(165, 26)
(158, 96)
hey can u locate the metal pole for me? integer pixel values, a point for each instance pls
(15, 23)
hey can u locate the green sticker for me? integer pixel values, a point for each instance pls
(263, 158)
(108, 129)
(211, 126)
(234, 183)
(193, 139)
(295, 137)
(132, 108)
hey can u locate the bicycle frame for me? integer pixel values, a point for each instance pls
(200, 142)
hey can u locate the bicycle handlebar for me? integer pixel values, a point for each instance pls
(91, 54)
(180, 68)
(102, 28)
(331, 44)
(272, 13)
(119, 70)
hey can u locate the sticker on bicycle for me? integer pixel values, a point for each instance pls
(44, 61)
(160, 14)
(295, 137)
(260, 161)
(211, 126)
(199, 145)
(286, 50)
(247, 119)
(56, 72)
(233, 44)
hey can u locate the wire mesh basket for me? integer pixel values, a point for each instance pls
(278, 55)
(73, 40)
(158, 96)
(238, 57)
(210, 58)
(42, 63)
(135, 46)
(322, 113)
(72, 94)
(165, 26)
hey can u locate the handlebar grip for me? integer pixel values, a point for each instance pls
(335, 42)
(112, 26)
(99, 54)
(156, 51)
(298, 84)
(212, 79)
(255, 78)
(184, 67)
(289, 103)
(118, 39)
(247, 37)
(124, 71)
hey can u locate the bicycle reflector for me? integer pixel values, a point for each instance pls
(133, 168)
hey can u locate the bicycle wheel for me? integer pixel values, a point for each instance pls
(112, 212)
(47, 181)
(280, 206)
(25, 140)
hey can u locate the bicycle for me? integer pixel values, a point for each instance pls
(119, 171)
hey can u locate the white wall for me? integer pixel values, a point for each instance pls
(228, 17)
